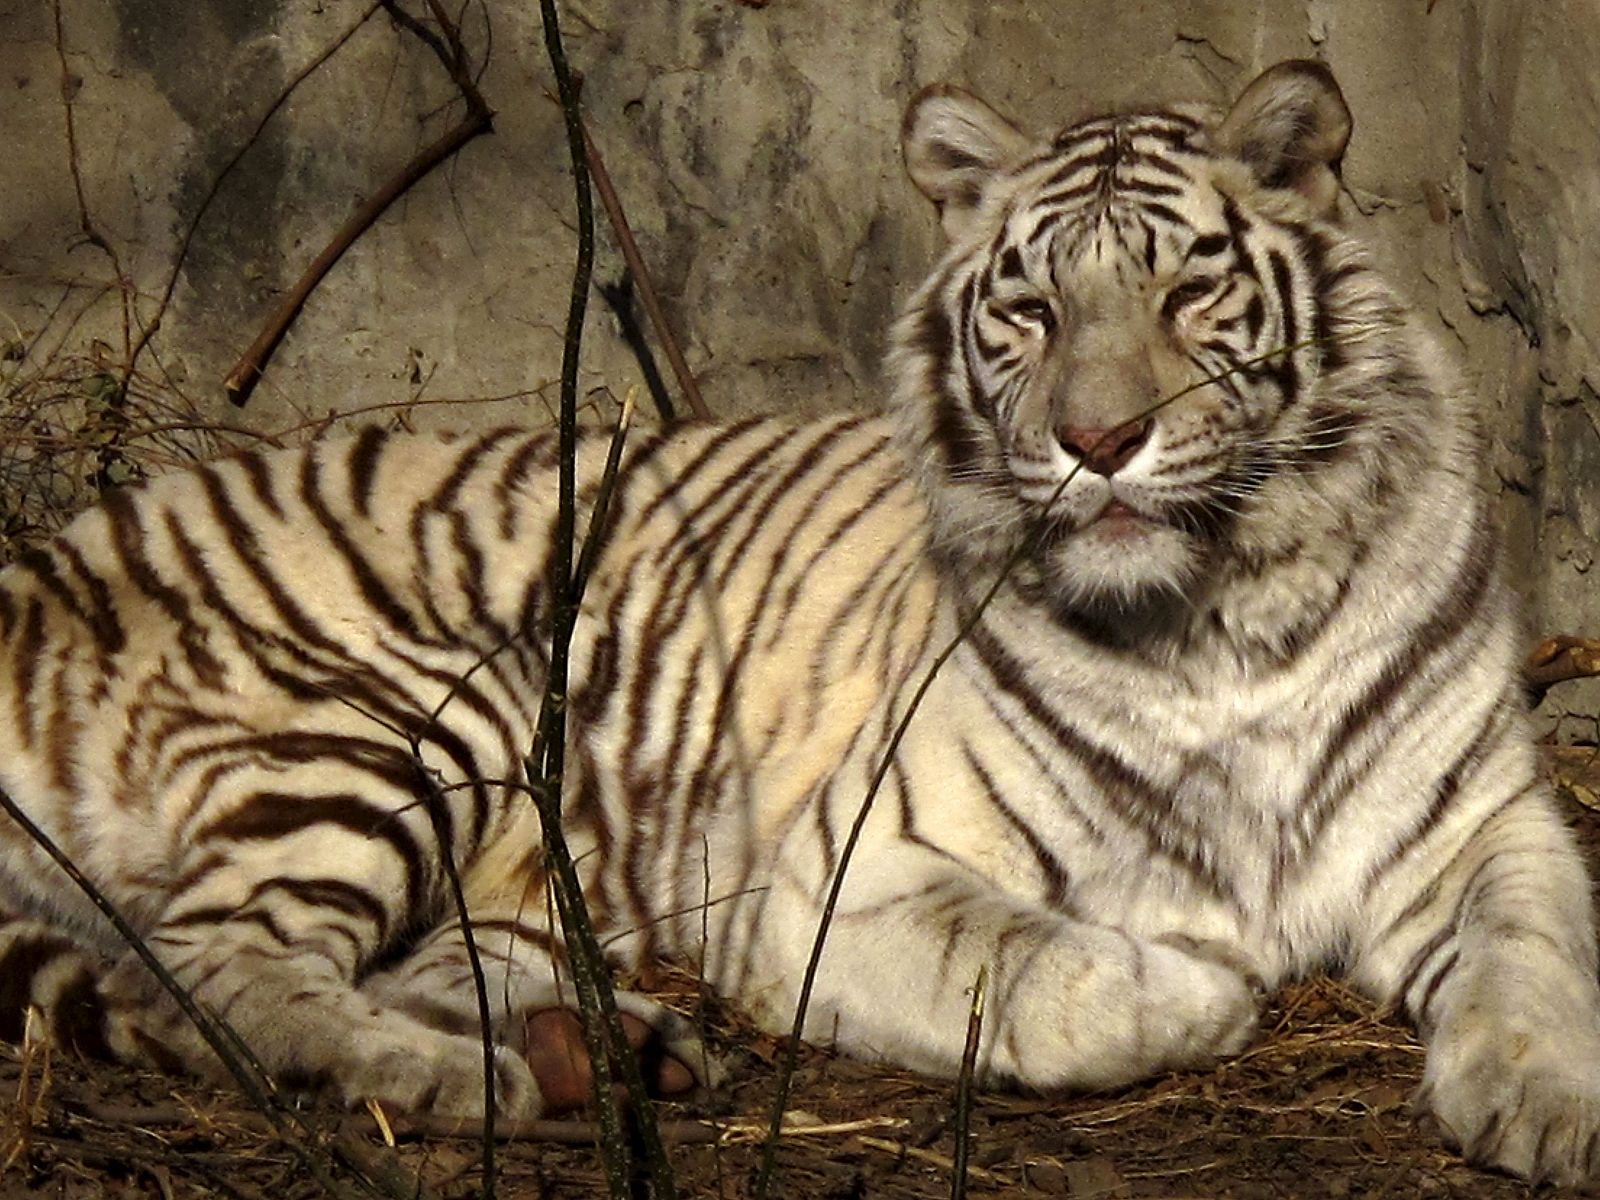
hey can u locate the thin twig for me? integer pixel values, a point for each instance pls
(149, 330)
(602, 503)
(86, 225)
(438, 810)
(545, 763)
(641, 278)
(116, 400)
(931, 1157)
(969, 1063)
(404, 1126)
(241, 381)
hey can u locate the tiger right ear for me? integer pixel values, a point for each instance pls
(1290, 126)
(953, 143)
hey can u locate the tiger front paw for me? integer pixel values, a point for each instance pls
(442, 1075)
(1205, 999)
(1520, 1099)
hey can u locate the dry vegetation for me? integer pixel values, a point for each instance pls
(1318, 1108)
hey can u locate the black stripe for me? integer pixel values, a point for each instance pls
(260, 477)
(1163, 213)
(1055, 875)
(537, 454)
(1283, 282)
(710, 452)
(27, 660)
(365, 452)
(128, 539)
(1139, 802)
(1433, 637)
(377, 596)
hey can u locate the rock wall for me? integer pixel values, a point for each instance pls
(754, 147)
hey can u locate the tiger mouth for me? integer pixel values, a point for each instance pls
(1119, 519)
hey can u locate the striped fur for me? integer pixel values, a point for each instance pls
(1244, 705)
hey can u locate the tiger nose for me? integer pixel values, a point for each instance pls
(1107, 451)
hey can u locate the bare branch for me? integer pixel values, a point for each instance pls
(241, 381)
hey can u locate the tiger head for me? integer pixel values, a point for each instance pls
(1147, 334)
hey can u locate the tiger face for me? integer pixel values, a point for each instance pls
(1130, 335)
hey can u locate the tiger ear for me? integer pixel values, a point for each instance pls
(1290, 126)
(953, 143)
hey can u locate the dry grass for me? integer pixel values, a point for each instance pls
(74, 422)
(1319, 1107)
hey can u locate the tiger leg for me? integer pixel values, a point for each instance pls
(1495, 958)
(1069, 1004)
(302, 1020)
(530, 999)
(283, 906)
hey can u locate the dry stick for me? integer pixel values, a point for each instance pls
(592, 540)
(110, 451)
(545, 763)
(875, 784)
(437, 810)
(1557, 659)
(91, 233)
(210, 1028)
(241, 381)
(700, 980)
(969, 1063)
(403, 1125)
(641, 277)
(149, 331)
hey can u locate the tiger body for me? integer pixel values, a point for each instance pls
(1174, 538)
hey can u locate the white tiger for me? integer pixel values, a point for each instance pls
(1243, 706)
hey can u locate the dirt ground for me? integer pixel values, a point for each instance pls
(1317, 1108)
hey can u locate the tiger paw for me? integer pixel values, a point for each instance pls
(1522, 1100)
(442, 1075)
(1204, 996)
(1129, 1008)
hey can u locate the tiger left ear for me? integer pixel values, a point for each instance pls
(954, 144)
(1290, 126)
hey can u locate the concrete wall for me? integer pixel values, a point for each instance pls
(754, 147)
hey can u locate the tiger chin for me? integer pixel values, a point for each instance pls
(1171, 557)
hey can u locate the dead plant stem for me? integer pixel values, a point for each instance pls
(150, 329)
(642, 279)
(603, 1033)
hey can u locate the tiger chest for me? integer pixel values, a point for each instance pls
(1178, 812)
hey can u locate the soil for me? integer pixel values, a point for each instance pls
(1318, 1107)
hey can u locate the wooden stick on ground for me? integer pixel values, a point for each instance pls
(1557, 659)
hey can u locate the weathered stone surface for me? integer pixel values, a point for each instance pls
(755, 150)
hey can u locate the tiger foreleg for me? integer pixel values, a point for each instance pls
(1069, 1003)
(1496, 961)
